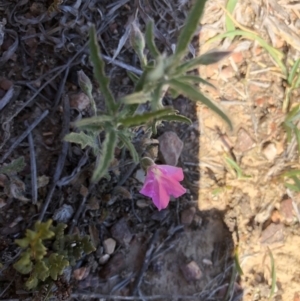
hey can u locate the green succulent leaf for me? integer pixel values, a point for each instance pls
(41, 271)
(87, 245)
(149, 36)
(31, 282)
(127, 142)
(43, 229)
(144, 118)
(38, 250)
(195, 95)
(23, 242)
(98, 64)
(24, 265)
(13, 167)
(81, 138)
(108, 148)
(189, 28)
(57, 264)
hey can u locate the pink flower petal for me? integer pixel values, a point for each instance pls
(161, 182)
(175, 172)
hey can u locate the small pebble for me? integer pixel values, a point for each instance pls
(104, 259)
(109, 245)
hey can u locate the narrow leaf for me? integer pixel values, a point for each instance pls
(98, 64)
(237, 262)
(129, 146)
(144, 118)
(292, 187)
(122, 41)
(193, 79)
(137, 97)
(297, 133)
(236, 167)
(93, 122)
(175, 117)
(276, 54)
(208, 58)
(149, 36)
(297, 82)
(81, 138)
(230, 8)
(13, 167)
(293, 72)
(292, 115)
(195, 95)
(273, 274)
(291, 173)
(132, 76)
(189, 28)
(108, 149)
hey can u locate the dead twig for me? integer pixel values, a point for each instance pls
(33, 174)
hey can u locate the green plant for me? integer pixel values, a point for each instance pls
(234, 166)
(47, 251)
(293, 175)
(290, 125)
(161, 74)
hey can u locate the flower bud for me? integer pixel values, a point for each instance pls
(84, 82)
(137, 39)
(146, 162)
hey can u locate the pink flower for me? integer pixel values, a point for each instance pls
(162, 181)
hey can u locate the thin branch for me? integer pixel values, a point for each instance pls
(33, 174)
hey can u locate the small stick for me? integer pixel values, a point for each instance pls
(33, 174)
(61, 159)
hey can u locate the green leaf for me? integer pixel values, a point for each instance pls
(137, 97)
(293, 114)
(176, 118)
(98, 64)
(208, 58)
(297, 133)
(236, 167)
(276, 54)
(149, 36)
(81, 138)
(108, 149)
(31, 282)
(195, 95)
(41, 271)
(158, 71)
(273, 274)
(57, 264)
(189, 28)
(43, 229)
(144, 118)
(292, 187)
(291, 173)
(132, 76)
(129, 146)
(13, 167)
(237, 262)
(193, 79)
(230, 8)
(24, 265)
(293, 72)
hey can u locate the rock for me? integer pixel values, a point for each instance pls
(121, 233)
(244, 142)
(270, 151)
(104, 259)
(81, 273)
(142, 204)
(187, 216)
(191, 271)
(63, 214)
(5, 84)
(170, 147)
(79, 101)
(287, 211)
(272, 234)
(140, 175)
(109, 245)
